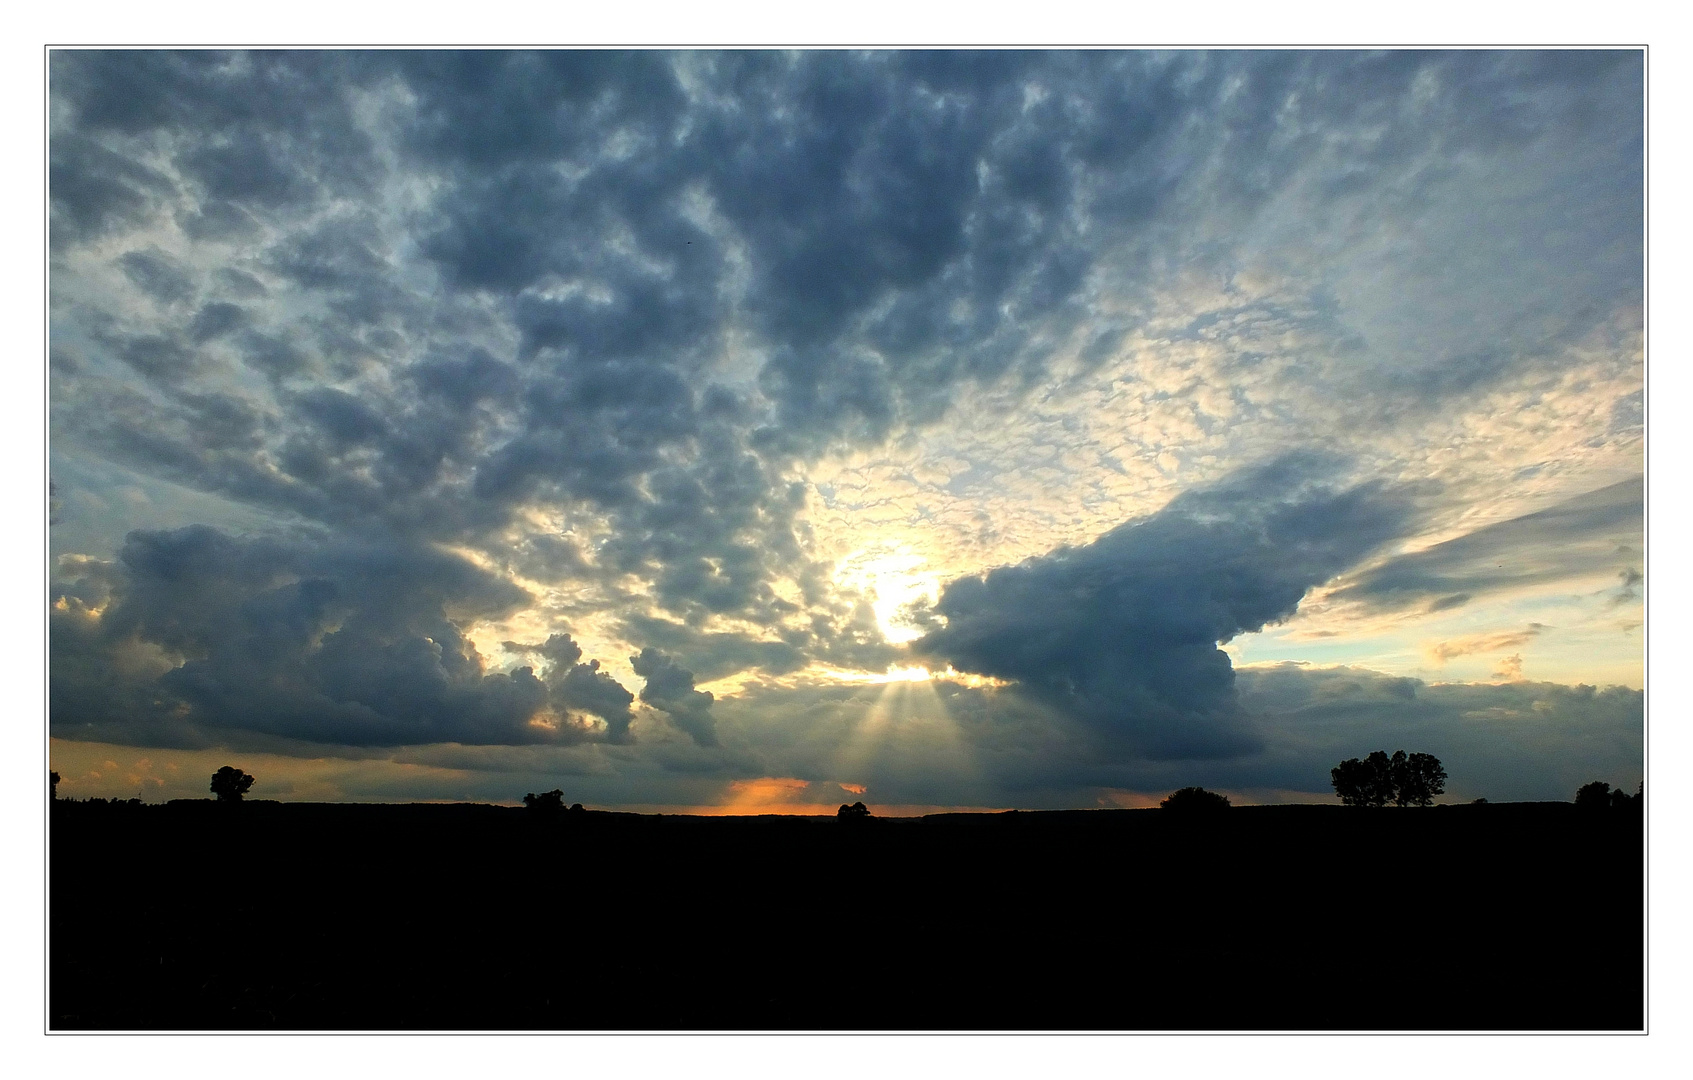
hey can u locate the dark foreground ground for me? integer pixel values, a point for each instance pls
(266, 915)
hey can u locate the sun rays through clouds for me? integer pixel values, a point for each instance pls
(972, 428)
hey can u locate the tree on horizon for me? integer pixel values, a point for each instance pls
(1598, 796)
(230, 784)
(549, 803)
(1417, 779)
(1190, 800)
(1404, 780)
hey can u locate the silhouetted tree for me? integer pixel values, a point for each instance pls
(1417, 779)
(1406, 780)
(54, 776)
(229, 784)
(1364, 783)
(1195, 800)
(1599, 796)
(548, 802)
(856, 812)
(1594, 795)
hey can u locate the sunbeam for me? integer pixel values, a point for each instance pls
(907, 735)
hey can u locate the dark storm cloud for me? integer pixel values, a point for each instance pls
(1122, 633)
(193, 633)
(1599, 531)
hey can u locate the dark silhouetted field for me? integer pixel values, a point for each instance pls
(265, 915)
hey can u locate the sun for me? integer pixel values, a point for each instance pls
(893, 576)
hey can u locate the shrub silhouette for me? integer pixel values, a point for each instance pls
(54, 777)
(229, 784)
(1195, 800)
(856, 812)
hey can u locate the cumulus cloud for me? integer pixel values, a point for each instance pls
(193, 634)
(671, 688)
(584, 687)
(1124, 631)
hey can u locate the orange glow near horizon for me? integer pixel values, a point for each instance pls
(776, 795)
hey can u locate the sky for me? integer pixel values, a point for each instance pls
(742, 432)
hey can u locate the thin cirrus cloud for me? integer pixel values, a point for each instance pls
(535, 401)
(1579, 536)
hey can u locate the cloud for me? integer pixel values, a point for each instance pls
(574, 685)
(1579, 537)
(1513, 741)
(983, 747)
(1123, 632)
(835, 242)
(713, 655)
(1510, 668)
(1627, 592)
(194, 635)
(1442, 651)
(671, 688)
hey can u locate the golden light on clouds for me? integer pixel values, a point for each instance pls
(1442, 651)
(915, 673)
(894, 577)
